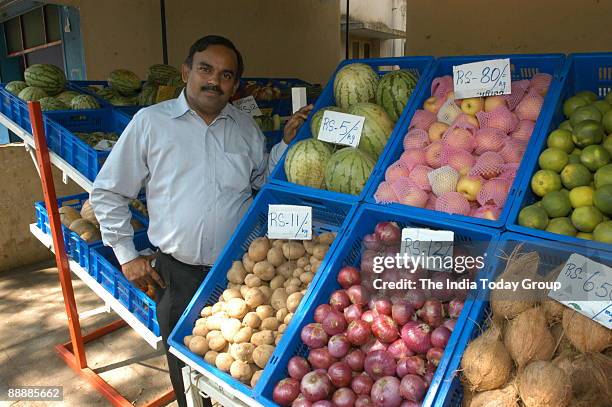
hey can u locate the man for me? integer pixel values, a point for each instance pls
(198, 158)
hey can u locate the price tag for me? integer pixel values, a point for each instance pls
(298, 98)
(586, 286)
(289, 222)
(484, 78)
(341, 128)
(248, 105)
(432, 246)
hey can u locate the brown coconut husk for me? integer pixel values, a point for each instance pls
(590, 375)
(554, 310)
(542, 384)
(586, 335)
(562, 344)
(528, 338)
(507, 396)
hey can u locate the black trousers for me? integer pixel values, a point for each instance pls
(182, 281)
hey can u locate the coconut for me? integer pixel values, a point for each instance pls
(586, 335)
(507, 396)
(528, 338)
(554, 310)
(562, 344)
(589, 375)
(486, 363)
(542, 384)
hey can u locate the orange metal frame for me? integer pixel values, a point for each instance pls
(73, 352)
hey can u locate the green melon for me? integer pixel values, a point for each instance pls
(48, 77)
(148, 94)
(315, 122)
(348, 170)
(32, 93)
(376, 129)
(305, 163)
(51, 103)
(160, 74)
(107, 93)
(82, 102)
(355, 83)
(67, 96)
(394, 90)
(176, 81)
(121, 101)
(125, 82)
(15, 87)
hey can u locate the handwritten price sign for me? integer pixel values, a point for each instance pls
(248, 105)
(432, 245)
(290, 222)
(479, 79)
(341, 128)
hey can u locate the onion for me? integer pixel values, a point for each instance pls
(399, 349)
(352, 313)
(371, 242)
(364, 401)
(415, 297)
(384, 329)
(369, 316)
(388, 232)
(417, 337)
(301, 402)
(316, 386)
(334, 323)
(402, 312)
(440, 337)
(428, 378)
(412, 388)
(298, 367)
(432, 313)
(434, 355)
(450, 324)
(320, 358)
(286, 391)
(344, 398)
(348, 276)
(454, 308)
(385, 392)
(367, 262)
(379, 364)
(340, 374)
(381, 306)
(356, 294)
(362, 384)
(323, 403)
(444, 293)
(339, 300)
(338, 345)
(407, 403)
(321, 312)
(358, 332)
(314, 336)
(411, 365)
(355, 360)
(373, 345)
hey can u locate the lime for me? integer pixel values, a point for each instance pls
(608, 98)
(565, 125)
(573, 159)
(556, 204)
(575, 175)
(572, 104)
(561, 139)
(587, 132)
(607, 121)
(603, 176)
(602, 199)
(565, 192)
(584, 235)
(603, 106)
(585, 113)
(607, 144)
(533, 217)
(586, 218)
(594, 157)
(545, 181)
(581, 196)
(603, 232)
(553, 159)
(587, 95)
(561, 226)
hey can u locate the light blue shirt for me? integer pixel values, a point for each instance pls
(198, 180)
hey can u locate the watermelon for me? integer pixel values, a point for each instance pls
(377, 128)
(394, 90)
(348, 170)
(315, 122)
(176, 81)
(160, 74)
(48, 77)
(125, 82)
(106, 93)
(305, 163)
(32, 93)
(15, 87)
(355, 83)
(82, 102)
(121, 101)
(67, 96)
(148, 94)
(51, 103)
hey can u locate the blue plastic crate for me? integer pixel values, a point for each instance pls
(522, 67)
(106, 270)
(60, 126)
(282, 106)
(349, 253)
(272, 138)
(327, 215)
(420, 66)
(552, 254)
(581, 72)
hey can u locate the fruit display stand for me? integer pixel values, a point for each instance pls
(582, 72)
(522, 67)
(84, 87)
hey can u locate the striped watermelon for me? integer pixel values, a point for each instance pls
(106, 93)
(148, 94)
(376, 129)
(32, 93)
(160, 74)
(305, 163)
(123, 81)
(176, 81)
(348, 170)
(355, 83)
(51, 103)
(121, 101)
(82, 102)
(15, 87)
(393, 92)
(67, 96)
(48, 77)
(315, 122)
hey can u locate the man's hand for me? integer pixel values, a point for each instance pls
(295, 122)
(140, 272)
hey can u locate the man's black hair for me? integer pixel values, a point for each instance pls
(205, 42)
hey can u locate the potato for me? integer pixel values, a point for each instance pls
(211, 334)
(281, 314)
(248, 263)
(303, 261)
(237, 273)
(254, 297)
(255, 377)
(267, 292)
(293, 250)
(262, 338)
(261, 354)
(200, 321)
(241, 371)
(252, 320)
(242, 351)
(230, 328)
(286, 269)
(258, 249)
(288, 318)
(279, 243)
(297, 272)
(224, 362)
(214, 322)
(282, 328)
(187, 339)
(306, 278)
(309, 245)
(315, 266)
(251, 280)
(308, 268)
(231, 293)
(264, 311)
(278, 339)
(218, 307)
(198, 345)
(237, 308)
(276, 282)
(244, 334)
(200, 330)
(292, 281)
(327, 238)
(270, 323)
(278, 299)
(206, 311)
(264, 270)
(217, 342)
(243, 290)
(320, 251)
(210, 357)
(275, 256)
(292, 289)
(293, 301)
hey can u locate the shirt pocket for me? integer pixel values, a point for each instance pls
(234, 172)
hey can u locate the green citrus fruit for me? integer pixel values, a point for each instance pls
(587, 132)
(545, 181)
(594, 157)
(572, 104)
(603, 106)
(603, 232)
(584, 235)
(602, 199)
(607, 121)
(587, 95)
(553, 159)
(556, 204)
(581, 196)
(575, 175)
(533, 217)
(561, 226)
(585, 113)
(603, 176)
(586, 218)
(561, 139)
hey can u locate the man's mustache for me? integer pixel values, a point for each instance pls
(213, 88)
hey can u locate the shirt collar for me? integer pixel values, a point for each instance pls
(181, 107)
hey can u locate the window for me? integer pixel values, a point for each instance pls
(366, 50)
(355, 53)
(361, 48)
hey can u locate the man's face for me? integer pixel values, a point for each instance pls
(211, 78)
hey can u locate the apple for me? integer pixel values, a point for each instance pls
(493, 102)
(472, 106)
(467, 118)
(432, 105)
(436, 131)
(469, 186)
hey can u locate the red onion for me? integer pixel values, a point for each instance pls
(440, 337)
(388, 232)
(385, 392)
(411, 365)
(334, 323)
(428, 377)
(407, 403)
(320, 358)
(344, 398)
(286, 391)
(373, 345)
(371, 242)
(417, 337)
(314, 336)
(450, 324)
(338, 345)
(316, 386)
(412, 388)
(301, 402)
(340, 374)
(323, 403)
(348, 276)
(321, 312)
(364, 401)
(367, 262)
(379, 363)
(432, 313)
(402, 312)
(399, 349)
(434, 355)
(355, 360)
(298, 367)
(362, 384)
(382, 306)
(352, 313)
(339, 300)
(384, 329)
(443, 278)
(356, 294)
(454, 308)
(416, 298)
(358, 333)
(369, 316)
